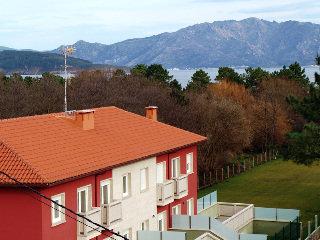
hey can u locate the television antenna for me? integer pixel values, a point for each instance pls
(66, 51)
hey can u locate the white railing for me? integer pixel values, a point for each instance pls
(165, 193)
(111, 213)
(229, 209)
(208, 236)
(241, 218)
(181, 186)
(204, 223)
(86, 228)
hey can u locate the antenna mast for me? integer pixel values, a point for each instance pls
(66, 51)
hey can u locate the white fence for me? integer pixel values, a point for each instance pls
(204, 223)
(240, 218)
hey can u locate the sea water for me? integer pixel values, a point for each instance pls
(184, 76)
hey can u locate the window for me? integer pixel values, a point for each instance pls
(105, 191)
(126, 185)
(83, 199)
(189, 163)
(143, 179)
(176, 210)
(145, 225)
(175, 167)
(162, 221)
(190, 207)
(161, 172)
(57, 212)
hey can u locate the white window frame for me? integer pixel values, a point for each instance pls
(189, 162)
(190, 207)
(60, 198)
(86, 189)
(127, 193)
(145, 225)
(163, 217)
(177, 167)
(178, 211)
(164, 172)
(145, 186)
(104, 183)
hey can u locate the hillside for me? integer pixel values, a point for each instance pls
(27, 62)
(5, 48)
(250, 42)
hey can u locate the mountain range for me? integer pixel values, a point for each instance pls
(249, 42)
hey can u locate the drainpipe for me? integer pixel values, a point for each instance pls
(95, 191)
(95, 195)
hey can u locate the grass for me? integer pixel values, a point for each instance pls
(276, 184)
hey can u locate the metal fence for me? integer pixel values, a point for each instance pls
(311, 231)
(217, 175)
(289, 232)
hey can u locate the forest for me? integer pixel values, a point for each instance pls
(239, 113)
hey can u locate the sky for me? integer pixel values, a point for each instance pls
(47, 24)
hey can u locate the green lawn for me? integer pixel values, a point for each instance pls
(277, 184)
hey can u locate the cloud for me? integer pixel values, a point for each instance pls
(284, 7)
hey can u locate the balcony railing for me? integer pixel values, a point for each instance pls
(165, 193)
(111, 213)
(86, 229)
(181, 186)
(240, 218)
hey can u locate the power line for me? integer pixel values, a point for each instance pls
(71, 217)
(35, 191)
(64, 207)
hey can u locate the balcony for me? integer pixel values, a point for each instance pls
(181, 186)
(87, 230)
(111, 213)
(165, 193)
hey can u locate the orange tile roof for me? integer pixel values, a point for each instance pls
(46, 149)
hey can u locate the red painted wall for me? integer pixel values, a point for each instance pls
(192, 181)
(20, 214)
(68, 230)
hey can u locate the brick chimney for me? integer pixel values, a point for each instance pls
(152, 112)
(85, 119)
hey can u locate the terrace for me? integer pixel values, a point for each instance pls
(230, 221)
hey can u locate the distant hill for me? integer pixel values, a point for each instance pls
(27, 62)
(250, 42)
(5, 48)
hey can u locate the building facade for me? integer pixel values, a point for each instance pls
(135, 179)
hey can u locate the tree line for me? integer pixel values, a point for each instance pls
(239, 113)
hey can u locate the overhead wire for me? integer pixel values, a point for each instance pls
(64, 207)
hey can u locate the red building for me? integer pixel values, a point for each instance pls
(121, 170)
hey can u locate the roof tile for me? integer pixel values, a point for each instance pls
(50, 149)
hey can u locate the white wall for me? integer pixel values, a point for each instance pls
(139, 206)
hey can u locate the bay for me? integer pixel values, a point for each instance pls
(184, 75)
